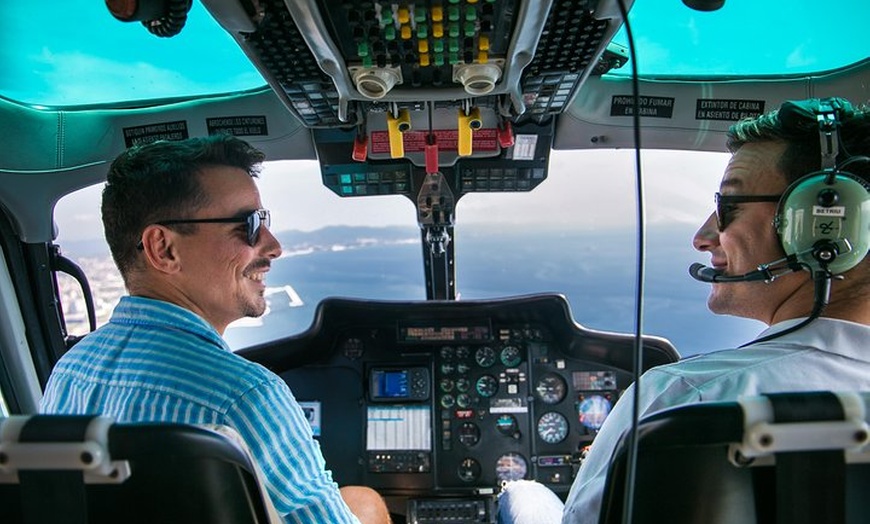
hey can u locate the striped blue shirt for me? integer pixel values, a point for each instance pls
(155, 361)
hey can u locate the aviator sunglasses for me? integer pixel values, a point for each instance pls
(726, 205)
(254, 221)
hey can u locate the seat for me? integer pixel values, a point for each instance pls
(779, 458)
(89, 469)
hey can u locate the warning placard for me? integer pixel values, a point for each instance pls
(653, 106)
(727, 109)
(447, 139)
(139, 135)
(238, 125)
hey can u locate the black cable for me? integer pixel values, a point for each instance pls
(631, 459)
(822, 292)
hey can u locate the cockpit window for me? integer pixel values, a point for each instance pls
(574, 234)
(115, 62)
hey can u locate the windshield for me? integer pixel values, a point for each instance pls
(574, 234)
(97, 59)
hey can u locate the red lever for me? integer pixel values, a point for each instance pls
(360, 148)
(431, 154)
(506, 135)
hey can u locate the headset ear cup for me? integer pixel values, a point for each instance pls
(823, 219)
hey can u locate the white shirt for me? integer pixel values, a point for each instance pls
(827, 354)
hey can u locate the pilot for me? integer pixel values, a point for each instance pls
(186, 228)
(769, 153)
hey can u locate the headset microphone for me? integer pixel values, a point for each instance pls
(765, 272)
(709, 275)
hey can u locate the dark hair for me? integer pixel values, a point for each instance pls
(160, 181)
(801, 135)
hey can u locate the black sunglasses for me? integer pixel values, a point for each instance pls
(254, 220)
(726, 205)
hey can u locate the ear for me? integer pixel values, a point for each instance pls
(161, 252)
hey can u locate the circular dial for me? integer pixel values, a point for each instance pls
(463, 385)
(511, 466)
(486, 386)
(593, 410)
(463, 400)
(353, 348)
(485, 356)
(507, 424)
(469, 433)
(552, 427)
(469, 470)
(446, 385)
(511, 356)
(551, 388)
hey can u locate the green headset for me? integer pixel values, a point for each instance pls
(823, 219)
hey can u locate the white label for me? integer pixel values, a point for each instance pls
(524, 147)
(836, 211)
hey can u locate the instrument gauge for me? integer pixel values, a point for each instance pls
(469, 433)
(552, 427)
(353, 348)
(469, 470)
(551, 388)
(486, 386)
(484, 356)
(507, 425)
(511, 466)
(462, 352)
(511, 356)
(463, 385)
(592, 411)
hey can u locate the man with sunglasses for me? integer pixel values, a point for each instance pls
(827, 353)
(188, 232)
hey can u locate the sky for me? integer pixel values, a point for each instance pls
(591, 190)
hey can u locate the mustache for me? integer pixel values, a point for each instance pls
(257, 265)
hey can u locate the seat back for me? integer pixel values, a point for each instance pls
(792, 457)
(88, 469)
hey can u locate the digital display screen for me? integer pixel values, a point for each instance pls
(594, 380)
(476, 332)
(398, 427)
(390, 383)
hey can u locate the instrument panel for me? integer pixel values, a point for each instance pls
(450, 399)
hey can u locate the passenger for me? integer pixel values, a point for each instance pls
(830, 353)
(186, 229)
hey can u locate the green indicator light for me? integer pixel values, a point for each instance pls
(386, 17)
(469, 28)
(453, 30)
(453, 45)
(367, 61)
(420, 14)
(362, 49)
(454, 58)
(359, 177)
(439, 60)
(345, 179)
(390, 32)
(346, 190)
(453, 13)
(470, 13)
(438, 46)
(422, 31)
(454, 1)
